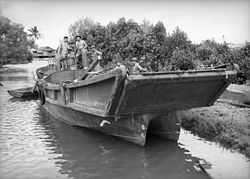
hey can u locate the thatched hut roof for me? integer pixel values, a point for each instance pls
(47, 49)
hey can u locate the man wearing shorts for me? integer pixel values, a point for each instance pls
(81, 49)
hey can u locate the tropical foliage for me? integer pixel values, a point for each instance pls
(157, 49)
(14, 44)
(35, 33)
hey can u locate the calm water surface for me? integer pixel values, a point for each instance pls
(33, 144)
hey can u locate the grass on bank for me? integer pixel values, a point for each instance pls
(223, 123)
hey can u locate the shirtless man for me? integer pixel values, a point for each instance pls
(81, 49)
(95, 54)
(94, 51)
(63, 50)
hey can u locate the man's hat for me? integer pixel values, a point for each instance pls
(78, 36)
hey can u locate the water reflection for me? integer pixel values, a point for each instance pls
(82, 153)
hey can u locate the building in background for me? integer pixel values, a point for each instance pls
(44, 52)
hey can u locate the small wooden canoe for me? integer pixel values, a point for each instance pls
(23, 93)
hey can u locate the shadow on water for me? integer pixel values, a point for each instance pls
(88, 154)
(13, 100)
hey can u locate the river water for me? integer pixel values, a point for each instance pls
(33, 144)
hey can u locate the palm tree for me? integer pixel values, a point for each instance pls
(35, 33)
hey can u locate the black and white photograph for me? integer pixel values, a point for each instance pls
(124, 89)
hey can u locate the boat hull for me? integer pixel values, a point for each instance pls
(129, 106)
(132, 128)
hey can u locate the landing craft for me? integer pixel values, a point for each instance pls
(129, 106)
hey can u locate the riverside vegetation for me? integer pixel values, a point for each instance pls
(157, 49)
(15, 43)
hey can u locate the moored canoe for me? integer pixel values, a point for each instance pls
(23, 93)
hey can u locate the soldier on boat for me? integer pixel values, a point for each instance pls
(63, 55)
(80, 52)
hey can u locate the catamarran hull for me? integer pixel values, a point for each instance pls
(129, 106)
(132, 128)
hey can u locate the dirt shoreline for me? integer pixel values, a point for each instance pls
(226, 122)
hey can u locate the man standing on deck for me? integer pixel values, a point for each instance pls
(95, 55)
(63, 50)
(137, 68)
(81, 49)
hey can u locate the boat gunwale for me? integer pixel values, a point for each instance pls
(133, 80)
(86, 82)
(119, 75)
(96, 79)
(160, 76)
(172, 76)
(182, 71)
